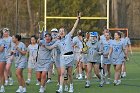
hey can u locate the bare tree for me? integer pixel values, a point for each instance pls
(115, 12)
(30, 17)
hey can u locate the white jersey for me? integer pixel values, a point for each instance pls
(43, 53)
(44, 57)
(65, 44)
(93, 50)
(32, 49)
(78, 44)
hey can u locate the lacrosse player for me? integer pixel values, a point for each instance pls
(19, 51)
(116, 55)
(32, 51)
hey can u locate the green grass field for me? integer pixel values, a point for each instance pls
(130, 84)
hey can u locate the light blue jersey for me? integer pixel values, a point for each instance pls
(2, 53)
(105, 45)
(8, 44)
(102, 37)
(127, 40)
(117, 56)
(18, 56)
(20, 60)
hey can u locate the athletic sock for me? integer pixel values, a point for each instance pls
(6, 81)
(2, 86)
(61, 87)
(124, 73)
(71, 85)
(80, 75)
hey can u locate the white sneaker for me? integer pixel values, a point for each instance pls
(37, 83)
(71, 90)
(102, 83)
(6, 83)
(49, 81)
(80, 78)
(2, 90)
(19, 90)
(77, 76)
(11, 81)
(59, 91)
(118, 82)
(24, 90)
(115, 82)
(42, 89)
(87, 84)
(66, 88)
(123, 75)
(27, 82)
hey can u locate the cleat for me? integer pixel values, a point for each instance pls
(37, 83)
(19, 90)
(11, 81)
(49, 81)
(87, 84)
(42, 89)
(66, 88)
(27, 82)
(2, 90)
(71, 90)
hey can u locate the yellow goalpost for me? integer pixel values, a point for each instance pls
(85, 18)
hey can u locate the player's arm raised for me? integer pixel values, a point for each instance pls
(76, 23)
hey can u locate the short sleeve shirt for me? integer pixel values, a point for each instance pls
(78, 44)
(65, 44)
(18, 56)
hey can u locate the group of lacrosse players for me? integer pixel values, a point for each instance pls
(68, 54)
